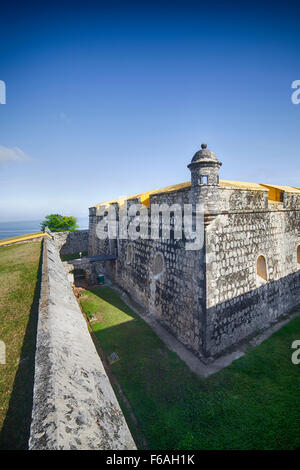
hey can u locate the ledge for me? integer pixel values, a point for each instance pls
(74, 405)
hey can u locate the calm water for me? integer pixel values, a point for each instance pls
(14, 229)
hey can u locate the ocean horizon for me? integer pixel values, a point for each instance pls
(15, 229)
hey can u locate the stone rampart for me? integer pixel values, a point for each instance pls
(69, 243)
(74, 406)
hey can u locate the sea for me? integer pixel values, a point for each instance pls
(15, 229)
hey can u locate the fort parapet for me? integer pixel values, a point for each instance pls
(74, 405)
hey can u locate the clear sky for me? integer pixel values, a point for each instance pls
(109, 101)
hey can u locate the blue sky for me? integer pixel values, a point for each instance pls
(107, 101)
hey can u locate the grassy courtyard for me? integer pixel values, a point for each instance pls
(252, 404)
(19, 293)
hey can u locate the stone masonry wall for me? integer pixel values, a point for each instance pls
(176, 297)
(69, 243)
(239, 302)
(74, 406)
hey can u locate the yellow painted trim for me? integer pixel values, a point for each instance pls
(241, 185)
(274, 191)
(145, 197)
(16, 240)
(287, 189)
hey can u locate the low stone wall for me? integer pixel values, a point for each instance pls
(74, 406)
(69, 243)
(29, 239)
(91, 269)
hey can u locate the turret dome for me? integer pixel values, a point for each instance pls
(204, 155)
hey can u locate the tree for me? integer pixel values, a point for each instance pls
(59, 223)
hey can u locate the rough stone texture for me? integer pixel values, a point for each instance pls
(211, 299)
(91, 269)
(74, 406)
(69, 243)
(176, 297)
(238, 301)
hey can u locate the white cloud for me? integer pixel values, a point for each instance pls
(12, 155)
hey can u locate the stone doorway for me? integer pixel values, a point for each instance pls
(80, 277)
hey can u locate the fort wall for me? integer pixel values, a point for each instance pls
(74, 405)
(246, 275)
(176, 296)
(239, 302)
(69, 243)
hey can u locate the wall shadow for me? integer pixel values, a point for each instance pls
(16, 427)
(233, 321)
(104, 341)
(230, 323)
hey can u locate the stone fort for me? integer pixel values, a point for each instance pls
(243, 278)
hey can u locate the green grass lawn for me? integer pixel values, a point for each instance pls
(252, 404)
(19, 293)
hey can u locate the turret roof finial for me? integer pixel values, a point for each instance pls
(205, 156)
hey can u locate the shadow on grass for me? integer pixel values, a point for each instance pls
(250, 405)
(118, 337)
(16, 427)
(109, 295)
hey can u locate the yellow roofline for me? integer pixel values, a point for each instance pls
(145, 197)
(241, 185)
(287, 189)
